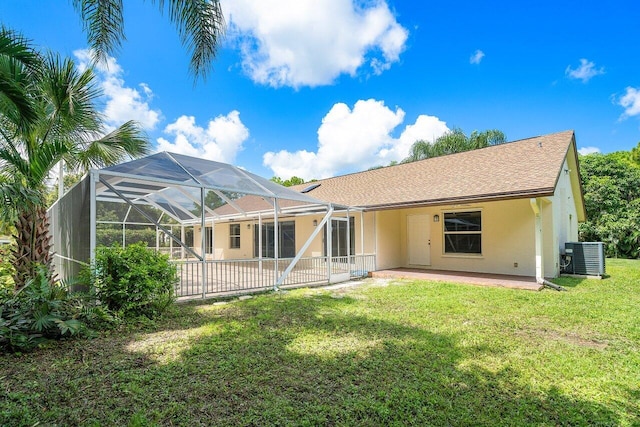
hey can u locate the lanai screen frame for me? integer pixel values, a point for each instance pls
(119, 184)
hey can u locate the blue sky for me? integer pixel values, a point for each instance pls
(320, 88)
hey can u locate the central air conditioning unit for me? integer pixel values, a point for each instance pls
(584, 258)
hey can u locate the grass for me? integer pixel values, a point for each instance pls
(394, 354)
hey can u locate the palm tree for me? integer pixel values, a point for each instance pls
(454, 141)
(66, 127)
(200, 24)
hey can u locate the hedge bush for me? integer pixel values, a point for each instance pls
(134, 280)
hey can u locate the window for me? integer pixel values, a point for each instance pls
(463, 233)
(339, 237)
(234, 236)
(286, 241)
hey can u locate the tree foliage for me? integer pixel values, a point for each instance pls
(611, 184)
(454, 141)
(200, 25)
(294, 180)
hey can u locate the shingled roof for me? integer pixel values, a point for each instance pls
(524, 168)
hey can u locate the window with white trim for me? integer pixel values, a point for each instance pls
(463, 232)
(234, 236)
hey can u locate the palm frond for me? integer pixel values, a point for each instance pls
(127, 141)
(70, 96)
(104, 24)
(44, 160)
(14, 195)
(20, 66)
(201, 27)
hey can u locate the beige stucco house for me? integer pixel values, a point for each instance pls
(505, 209)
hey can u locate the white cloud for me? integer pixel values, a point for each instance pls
(122, 103)
(355, 139)
(476, 57)
(310, 43)
(220, 141)
(584, 72)
(630, 101)
(588, 150)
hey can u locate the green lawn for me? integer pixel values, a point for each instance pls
(402, 353)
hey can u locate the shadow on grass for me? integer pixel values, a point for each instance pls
(294, 360)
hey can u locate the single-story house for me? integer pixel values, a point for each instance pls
(505, 209)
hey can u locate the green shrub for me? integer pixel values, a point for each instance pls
(6, 268)
(134, 280)
(43, 310)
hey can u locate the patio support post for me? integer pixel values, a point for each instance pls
(203, 244)
(94, 176)
(260, 246)
(276, 245)
(171, 244)
(348, 242)
(361, 232)
(124, 228)
(536, 206)
(182, 236)
(329, 249)
(157, 239)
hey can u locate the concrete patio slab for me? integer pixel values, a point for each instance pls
(479, 279)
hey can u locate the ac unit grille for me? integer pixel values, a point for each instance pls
(587, 258)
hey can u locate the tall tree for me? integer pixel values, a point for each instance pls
(454, 141)
(200, 25)
(67, 126)
(611, 184)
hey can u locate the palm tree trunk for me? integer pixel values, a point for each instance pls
(33, 244)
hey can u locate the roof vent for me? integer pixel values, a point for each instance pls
(311, 187)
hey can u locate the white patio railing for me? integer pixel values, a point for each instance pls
(250, 275)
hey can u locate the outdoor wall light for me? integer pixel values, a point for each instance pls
(436, 218)
(248, 226)
(315, 222)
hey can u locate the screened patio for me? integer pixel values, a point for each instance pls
(228, 230)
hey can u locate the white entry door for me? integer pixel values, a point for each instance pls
(419, 239)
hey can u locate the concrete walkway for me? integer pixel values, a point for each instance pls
(480, 279)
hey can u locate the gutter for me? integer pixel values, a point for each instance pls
(544, 192)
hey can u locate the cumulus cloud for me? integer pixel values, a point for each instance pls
(630, 101)
(476, 57)
(355, 139)
(221, 140)
(123, 103)
(588, 150)
(310, 43)
(584, 72)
